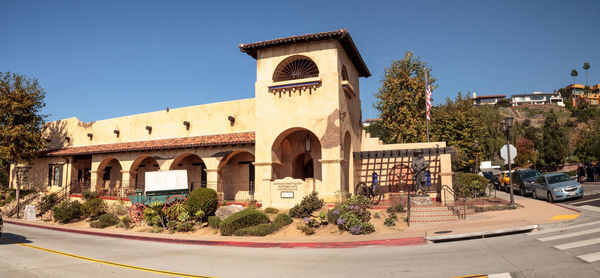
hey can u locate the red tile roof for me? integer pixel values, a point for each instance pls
(162, 144)
(341, 35)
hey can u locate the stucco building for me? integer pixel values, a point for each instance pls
(301, 133)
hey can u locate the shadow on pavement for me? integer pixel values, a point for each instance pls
(9, 238)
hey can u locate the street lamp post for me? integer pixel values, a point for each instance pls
(505, 125)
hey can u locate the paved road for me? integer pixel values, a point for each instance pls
(591, 196)
(521, 255)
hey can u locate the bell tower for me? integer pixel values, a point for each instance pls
(308, 111)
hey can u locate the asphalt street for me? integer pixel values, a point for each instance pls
(522, 255)
(565, 251)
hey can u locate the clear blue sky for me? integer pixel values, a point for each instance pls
(105, 59)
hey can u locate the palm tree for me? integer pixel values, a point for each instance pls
(586, 67)
(574, 74)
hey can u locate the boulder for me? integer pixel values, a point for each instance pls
(226, 211)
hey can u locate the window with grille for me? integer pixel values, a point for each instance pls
(297, 67)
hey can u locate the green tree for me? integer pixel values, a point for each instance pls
(492, 139)
(402, 100)
(458, 123)
(587, 148)
(574, 74)
(21, 101)
(554, 147)
(376, 129)
(525, 152)
(586, 67)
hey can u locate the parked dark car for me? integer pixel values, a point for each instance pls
(1, 223)
(557, 186)
(523, 180)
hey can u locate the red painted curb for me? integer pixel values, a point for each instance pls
(383, 242)
(565, 207)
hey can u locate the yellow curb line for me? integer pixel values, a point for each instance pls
(108, 262)
(565, 217)
(473, 276)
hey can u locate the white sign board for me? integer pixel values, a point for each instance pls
(30, 213)
(504, 153)
(166, 180)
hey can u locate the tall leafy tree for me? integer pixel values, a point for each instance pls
(554, 147)
(458, 123)
(525, 152)
(21, 102)
(401, 100)
(586, 67)
(492, 139)
(587, 148)
(574, 74)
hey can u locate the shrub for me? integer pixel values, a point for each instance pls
(183, 223)
(258, 230)
(353, 216)
(88, 195)
(389, 222)
(281, 220)
(334, 213)
(376, 215)
(106, 220)
(48, 202)
(395, 208)
(306, 229)
(124, 222)
(154, 215)
(270, 210)
(393, 215)
(94, 208)
(214, 221)
(67, 211)
(204, 199)
(466, 183)
(308, 205)
(119, 208)
(243, 219)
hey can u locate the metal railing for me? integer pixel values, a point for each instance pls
(458, 210)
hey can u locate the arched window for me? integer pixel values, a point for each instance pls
(296, 67)
(344, 73)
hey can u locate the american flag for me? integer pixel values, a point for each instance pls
(428, 95)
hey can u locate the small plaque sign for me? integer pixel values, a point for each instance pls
(287, 194)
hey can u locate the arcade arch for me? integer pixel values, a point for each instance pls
(237, 176)
(109, 181)
(195, 167)
(140, 166)
(296, 153)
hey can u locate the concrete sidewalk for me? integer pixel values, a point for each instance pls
(530, 215)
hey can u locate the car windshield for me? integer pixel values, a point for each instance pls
(530, 174)
(558, 178)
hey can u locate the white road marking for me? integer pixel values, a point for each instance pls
(590, 258)
(586, 201)
(577, 244)
(565, 228)
(500, 275)
(591, 208)
(591, 231)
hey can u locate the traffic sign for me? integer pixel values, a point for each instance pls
(504, 153)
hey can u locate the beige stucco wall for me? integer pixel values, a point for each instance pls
(207, 119)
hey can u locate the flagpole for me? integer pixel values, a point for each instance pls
(426, 99)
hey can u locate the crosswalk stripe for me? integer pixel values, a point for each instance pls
(577, 244)
(500, 275)
(590, 258)
(586, 201)
(564, 228)
(590, 231)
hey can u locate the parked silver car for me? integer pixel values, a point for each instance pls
(557, 186)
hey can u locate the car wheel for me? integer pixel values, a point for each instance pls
(550, 198)
(534, 195)
(521, 191)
